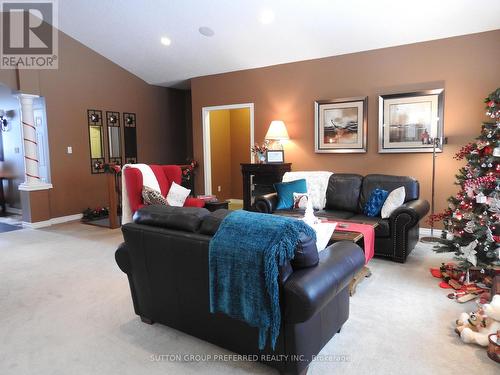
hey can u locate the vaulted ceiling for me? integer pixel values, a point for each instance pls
(256, 33)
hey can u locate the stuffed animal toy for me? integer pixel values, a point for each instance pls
(473, 321)
(474, 328)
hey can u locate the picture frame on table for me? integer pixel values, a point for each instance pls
(340, 125)
(408, 122)
(275, 156)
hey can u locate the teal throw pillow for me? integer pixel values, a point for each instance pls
(374, 204)
(285, 192)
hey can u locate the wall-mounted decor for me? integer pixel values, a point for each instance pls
(94, 120)
(340, 125)
(130, 135)
(114, 138)
(409, 122)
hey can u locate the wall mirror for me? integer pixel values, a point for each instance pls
(94, 121)
(130, 136)
(114, 138)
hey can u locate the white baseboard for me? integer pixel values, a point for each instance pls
(37, 225)
(425, 232)
(65, 219)
(12, 210)
(54, 221)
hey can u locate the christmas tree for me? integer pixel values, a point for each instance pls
(471, 222)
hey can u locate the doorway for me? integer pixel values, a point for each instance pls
(228, 135)
(12, 163)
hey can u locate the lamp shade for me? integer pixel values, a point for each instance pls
(277, 131)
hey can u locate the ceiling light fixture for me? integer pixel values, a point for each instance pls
(206, 31)
(266, 16)
(165, 41)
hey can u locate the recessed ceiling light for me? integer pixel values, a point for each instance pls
(206, 31)
(266, 16)
(165, 41)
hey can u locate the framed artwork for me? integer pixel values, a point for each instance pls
(275, 156)
(410, 122)
(340, 125)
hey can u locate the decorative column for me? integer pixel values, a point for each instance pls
(30, 154)
(34, 192)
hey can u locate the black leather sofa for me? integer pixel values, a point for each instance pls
(165, 257)
(346, 196)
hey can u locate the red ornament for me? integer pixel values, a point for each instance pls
(487, 150)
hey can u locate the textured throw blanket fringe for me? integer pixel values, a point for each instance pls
(244, 259)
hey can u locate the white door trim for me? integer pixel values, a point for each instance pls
(207, 162)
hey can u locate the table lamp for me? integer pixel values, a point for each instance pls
(277, 132)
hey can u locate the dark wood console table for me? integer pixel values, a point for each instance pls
(258, 179)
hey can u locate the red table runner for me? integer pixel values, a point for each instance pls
(368, 235)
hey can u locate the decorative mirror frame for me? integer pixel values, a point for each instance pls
(96, 164)
(129, 124)
(113, 121)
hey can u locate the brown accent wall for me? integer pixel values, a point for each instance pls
(85, 80)
(36, 205)
(466, 66)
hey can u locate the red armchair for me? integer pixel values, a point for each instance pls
(165, 174)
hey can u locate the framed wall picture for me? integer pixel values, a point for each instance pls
(409, 122)
(340, 125)
(275, 156)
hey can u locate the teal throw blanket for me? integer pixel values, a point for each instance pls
(244, 259)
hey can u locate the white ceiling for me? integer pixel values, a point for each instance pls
(128, 32)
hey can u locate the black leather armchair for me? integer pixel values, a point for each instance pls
(346, 196)
(165, 257)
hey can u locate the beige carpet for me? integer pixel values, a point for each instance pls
(65, 309)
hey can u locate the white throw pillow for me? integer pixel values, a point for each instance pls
(395, 199)
(300, 200)
(317, 184)
(177, 195)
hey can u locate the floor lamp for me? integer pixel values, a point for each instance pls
(436, 142)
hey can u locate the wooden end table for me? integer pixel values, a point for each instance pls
(216, 205)
(3, 176)
(495, 289)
